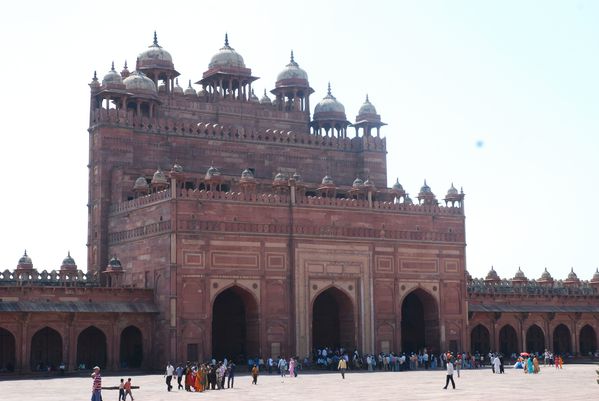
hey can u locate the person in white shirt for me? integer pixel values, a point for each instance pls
(169, 375)
(449, 374)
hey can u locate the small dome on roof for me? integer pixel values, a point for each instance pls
(141, 184)
(155, 56)
(367, 108)
(227, 57)
(177, 168)
(68, 263)
(408, 200)
(452, 191)
(177, 90)
(492, 275)
(247, 174)
(296, 176)
(397, 186)
(190, 91)
(114, 264)
(327, 180)
(280, 177)
(520, 274)
(425, 189)
(212, 172)
(292, 71)
(329, 104)
(254, 98)
(595, 276)
(138, 81)
(265, 99)
(159, 178)
(25, 259)
(357, 183)
(112, 77)
(369, 183)
(572, 276)
(546, 276)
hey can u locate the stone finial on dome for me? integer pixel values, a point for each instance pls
(190, 91)
(492, 275)
(572, 277)
(68, 263)
(25, 262)
(94, 84)
(112, 79)
(125, 72)
(426, 195)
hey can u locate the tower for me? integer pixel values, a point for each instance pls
(292, 89)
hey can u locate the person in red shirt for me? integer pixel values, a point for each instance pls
(128, 390)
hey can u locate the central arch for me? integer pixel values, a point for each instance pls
(508, 340)
(91, 348)
(235, 325)
(419, 322)
(7, 351)
(46, 349)
(480, 340)
(561, 340)
(535, 339)
(333, 320)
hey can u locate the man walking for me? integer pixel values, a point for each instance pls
(449, 374)
(342, 367)
(96, 385)
(169, 375)
(179, 372)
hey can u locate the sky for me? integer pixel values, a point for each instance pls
(499, 97)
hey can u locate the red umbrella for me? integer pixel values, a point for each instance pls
(524, 354)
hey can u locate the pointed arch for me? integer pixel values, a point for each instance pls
(480, 339)
(508, 340)
(420, 321)
(46, 349)
(588, 340)
(333, 319)
(91, 348)
(131, 352)
(7, 350)
(535, 339)
(562, 340)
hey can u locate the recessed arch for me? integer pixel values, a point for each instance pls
(235, 324)
(480, 340)
(46, 349)
(588, 340)
(131, 352)
(333, 322)
(420, 322)
(91, 348)
(508, 340)
(562, 340)
(7, 351)
(535, 339)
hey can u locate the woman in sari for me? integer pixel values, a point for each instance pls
(198, 381)
(536, 365)
(529, 364)
(188, 379)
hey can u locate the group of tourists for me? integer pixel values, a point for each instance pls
(529, 362)
(195, 377)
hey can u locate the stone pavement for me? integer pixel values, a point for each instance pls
(574, 382)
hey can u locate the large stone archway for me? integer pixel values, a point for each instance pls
(7, 351)
(419, 322)
(46, 349)
(562, 340)
(333, 320)
(91, 348)
(235, 325)
(480, 340)
(588, 340)
(508, 340)
(131, 352)
(535, 339)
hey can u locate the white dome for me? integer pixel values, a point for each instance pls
(190, 91)
(139, 81)
(227, 57)
(112, 77)
(292, 71)
(329, 104)
(154, 56)
(367, 107)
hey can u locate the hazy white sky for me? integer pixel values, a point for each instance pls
(498, 97)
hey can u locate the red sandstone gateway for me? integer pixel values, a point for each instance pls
(221, 224)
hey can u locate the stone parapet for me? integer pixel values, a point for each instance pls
(530, 288)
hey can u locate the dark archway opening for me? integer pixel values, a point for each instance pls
(480, 340)
(131, 348)
(561, 340)
(91, 348)
(235, 325)
(419, 323)
(535, 339)
(588, 341)
(333, 320)
(7, 351)
(508, 340)
(46, 350)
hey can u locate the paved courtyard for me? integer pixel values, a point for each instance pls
(575, 382)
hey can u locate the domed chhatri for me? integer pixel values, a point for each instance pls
(114, 264)
(226, 57)
(397, 186)
(155, 57)
(595, 278)
(367, 108)
(572, 277)
(329, 104)
(140, 83)
(367, 119)
(247, 174)
(190, 91)
(68, 263)
(327, 180)
(546, 276)
(292, 75)
(253, 97)
(426, 195)
(141, 185)
(112, 79)
(520, 276)
(265, 99)
(492, 276)
(25, 262)
(159, 178)
(177, 90)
